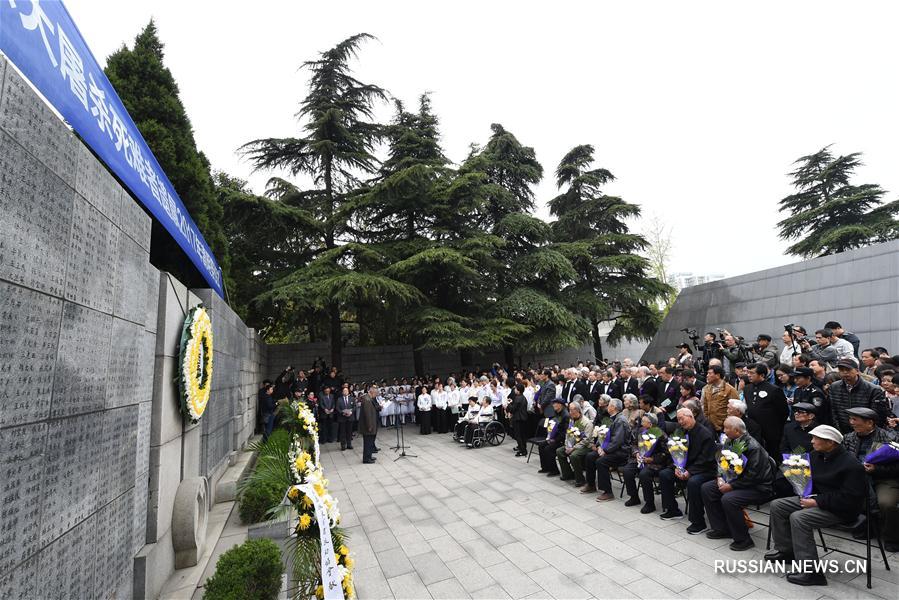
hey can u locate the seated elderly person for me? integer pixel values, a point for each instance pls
(696, 408)
(602, 409)
(837, 497)
(864, 438)
(724, 500)
(555, 437)
(586, 408)
(737, 408)
(644, 468)
(578, 438)
(470, 416)
(485, 415)
(797, 433)
(606, 456)
(648, 407)
(699, 468)
(631, 410)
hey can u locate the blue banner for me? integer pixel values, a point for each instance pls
(41, 39)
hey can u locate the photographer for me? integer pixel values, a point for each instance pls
(791, 346)
(731, 352)
(822, 351)
(763, 351)
(711, 348)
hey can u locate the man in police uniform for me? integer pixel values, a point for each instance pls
(809, 393)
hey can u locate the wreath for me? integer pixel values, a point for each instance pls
(195, 380)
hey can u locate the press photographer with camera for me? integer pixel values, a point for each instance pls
(822, 350)
(764, 351)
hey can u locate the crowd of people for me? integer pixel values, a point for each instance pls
(665, 429)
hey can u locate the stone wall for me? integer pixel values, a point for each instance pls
(77, 331)
(95, 456)
(859, 289)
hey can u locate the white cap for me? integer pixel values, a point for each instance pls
(826, 432)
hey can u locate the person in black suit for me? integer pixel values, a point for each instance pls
(648, 385)
(346, 405)
(767, 407)
(667, 389)
(613, 387)
(595, 387)
(628, 381)
(573, 386)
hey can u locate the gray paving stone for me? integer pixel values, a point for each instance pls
(448, 589)
(430, 568)
(471, 575)
(394, 562)
(492, 592)
(382, 540)
(408, 586)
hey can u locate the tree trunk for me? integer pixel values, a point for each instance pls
(597, 341)
(509, 357)
(466, 358)
(419, 362)
(336, 344)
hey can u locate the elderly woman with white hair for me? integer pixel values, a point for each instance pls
(631, 410)
(737, 408)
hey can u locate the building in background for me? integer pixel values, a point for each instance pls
(685, 280)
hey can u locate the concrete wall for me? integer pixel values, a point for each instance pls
(859, 289)
(93, 448)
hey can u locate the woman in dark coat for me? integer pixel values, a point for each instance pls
(518, 415)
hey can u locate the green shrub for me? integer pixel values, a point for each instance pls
(251, 571)
(256, 500)
(264, 488)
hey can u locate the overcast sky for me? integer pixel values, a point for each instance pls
(698, 108)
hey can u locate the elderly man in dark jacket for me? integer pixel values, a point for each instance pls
(724, 500)
(838, 492)
(864, 438)
(605, 457)
(699, 468)
(555, 437)
(767, 407)
(368, 424)
(797, 433)
(853, 391)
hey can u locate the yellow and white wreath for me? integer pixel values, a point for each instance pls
(195, 379)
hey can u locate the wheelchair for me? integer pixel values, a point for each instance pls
(493, 433)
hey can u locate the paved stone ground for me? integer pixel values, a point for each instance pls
(458, 523)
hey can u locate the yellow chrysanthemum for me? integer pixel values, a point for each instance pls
(307, 502)
(343, 550)
(349, 562)
(319, 592)
(293, 493)
(738, 469)
(305, 522)
(319, 489)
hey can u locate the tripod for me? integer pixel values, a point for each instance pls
(400, 438)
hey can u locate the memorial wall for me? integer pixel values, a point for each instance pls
(859, 289)
(94, 453)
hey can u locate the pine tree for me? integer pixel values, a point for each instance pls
(612, 282)
(150, 94)
(336, 149)
(828, 214)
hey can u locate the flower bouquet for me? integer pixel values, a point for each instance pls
(883, 453)
(601, 433)
(550, 427)
(731, 461)
(646, 443)
(678, 448)
(573, 436)
(798, 471)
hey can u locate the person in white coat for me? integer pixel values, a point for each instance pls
(439, 414)
(425, 403)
